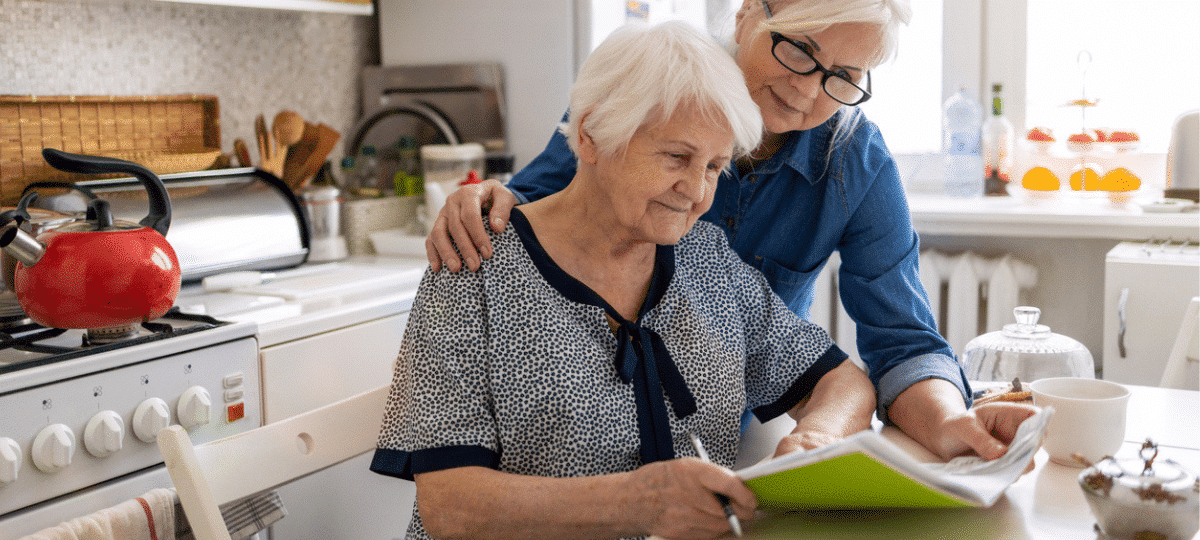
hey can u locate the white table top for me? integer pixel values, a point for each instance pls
(1045, 504)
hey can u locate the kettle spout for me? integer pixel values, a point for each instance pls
(21, 245)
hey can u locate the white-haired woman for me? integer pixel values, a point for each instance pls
(821, 180)
(553, 393)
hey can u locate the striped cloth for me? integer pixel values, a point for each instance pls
(244, 517)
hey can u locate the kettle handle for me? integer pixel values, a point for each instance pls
(159, 217)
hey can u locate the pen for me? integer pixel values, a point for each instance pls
(733, 519)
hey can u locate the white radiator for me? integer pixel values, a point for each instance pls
(969, 294)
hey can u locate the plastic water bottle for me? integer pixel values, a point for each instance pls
(962, 120)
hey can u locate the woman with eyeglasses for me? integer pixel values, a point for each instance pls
(822, 180)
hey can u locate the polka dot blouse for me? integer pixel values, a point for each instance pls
(515, 367)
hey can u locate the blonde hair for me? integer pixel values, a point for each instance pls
(643, 73)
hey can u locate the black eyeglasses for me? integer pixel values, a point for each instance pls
(797, 57)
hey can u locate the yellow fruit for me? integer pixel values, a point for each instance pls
(1120, 179)
(1040, 179)
(1091, 179)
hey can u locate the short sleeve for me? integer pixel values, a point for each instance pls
(439, 414)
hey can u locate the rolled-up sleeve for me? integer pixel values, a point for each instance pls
(880, 286)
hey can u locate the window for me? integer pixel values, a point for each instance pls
(906, 98)
(1144, 69)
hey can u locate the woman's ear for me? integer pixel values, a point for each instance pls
(588, 152)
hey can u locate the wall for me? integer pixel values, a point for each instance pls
(254, 60)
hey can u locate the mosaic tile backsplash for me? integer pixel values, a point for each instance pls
(256, 61)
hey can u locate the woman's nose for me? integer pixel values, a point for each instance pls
(808, 85)
(694, 186)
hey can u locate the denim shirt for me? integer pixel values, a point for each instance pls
(787, 215)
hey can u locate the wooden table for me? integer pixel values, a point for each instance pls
(1045, 504)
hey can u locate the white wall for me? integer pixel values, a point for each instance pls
(533, 39)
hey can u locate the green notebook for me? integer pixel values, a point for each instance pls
(866, 470)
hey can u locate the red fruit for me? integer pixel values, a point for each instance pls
(1081, 138)
(1038, 134)
(1123, 136)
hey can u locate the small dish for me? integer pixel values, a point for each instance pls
(1166, 205)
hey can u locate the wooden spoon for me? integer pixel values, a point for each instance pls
(288, 128)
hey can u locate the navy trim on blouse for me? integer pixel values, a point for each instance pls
(641, 357)
(404, 465)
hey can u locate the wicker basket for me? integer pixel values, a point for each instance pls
(166, 134)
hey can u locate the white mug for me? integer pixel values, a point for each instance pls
(1089, 418)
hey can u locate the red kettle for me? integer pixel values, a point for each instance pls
(97, 272)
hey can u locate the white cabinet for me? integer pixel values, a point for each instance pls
(349, 7)
(346, 501)
(1147, 288)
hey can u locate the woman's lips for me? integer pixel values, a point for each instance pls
(677, 209)
(783, 104)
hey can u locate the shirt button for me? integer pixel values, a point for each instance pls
(729, 222)
(752, 179)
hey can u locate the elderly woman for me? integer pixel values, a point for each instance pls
(553, 393)
(821, 180)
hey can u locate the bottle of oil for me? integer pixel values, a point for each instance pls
(998, 145)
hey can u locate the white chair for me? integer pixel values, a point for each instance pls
(1175, 375)
(230, 469)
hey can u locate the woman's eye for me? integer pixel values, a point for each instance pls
(679, 159)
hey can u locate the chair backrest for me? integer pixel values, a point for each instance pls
(218, 472)
(1175, 375)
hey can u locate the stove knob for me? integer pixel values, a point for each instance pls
(10, 460)
(104, 434)
(53, 447)
(150, 417)
(195, 407)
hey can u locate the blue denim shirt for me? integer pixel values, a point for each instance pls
(787, 215)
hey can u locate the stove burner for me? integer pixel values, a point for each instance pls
(100, 336)
(29, 345)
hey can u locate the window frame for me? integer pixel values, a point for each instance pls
(984, 42)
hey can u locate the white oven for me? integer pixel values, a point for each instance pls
(325, 333)
(79, 418)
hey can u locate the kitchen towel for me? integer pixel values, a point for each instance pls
(156, 515)
(244, 517)
(149, 517)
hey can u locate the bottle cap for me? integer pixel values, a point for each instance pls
(472, 178)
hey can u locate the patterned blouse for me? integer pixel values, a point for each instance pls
(515, 367)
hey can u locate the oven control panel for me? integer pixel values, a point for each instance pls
(64, 436)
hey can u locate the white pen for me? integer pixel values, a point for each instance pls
(733, 519)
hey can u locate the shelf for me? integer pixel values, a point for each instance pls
(1011, 217)
(325, 6)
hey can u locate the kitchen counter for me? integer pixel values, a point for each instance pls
(1067, 216)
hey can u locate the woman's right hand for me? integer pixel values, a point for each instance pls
(460, 223)
(679, 502)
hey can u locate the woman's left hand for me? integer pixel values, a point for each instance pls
(804, 440)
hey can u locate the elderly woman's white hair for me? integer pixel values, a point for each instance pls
(642, 74)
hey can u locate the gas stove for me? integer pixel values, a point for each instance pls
(82, 413)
